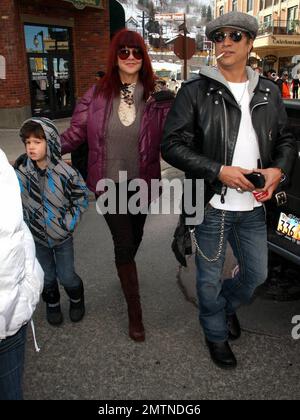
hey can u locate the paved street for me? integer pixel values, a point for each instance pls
(95, 359)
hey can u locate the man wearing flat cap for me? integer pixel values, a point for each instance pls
(225, 126)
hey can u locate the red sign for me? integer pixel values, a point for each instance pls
(179, 47)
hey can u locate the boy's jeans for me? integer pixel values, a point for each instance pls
(12, 352)
(247, 235)
(58, 262)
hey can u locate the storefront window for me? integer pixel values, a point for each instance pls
(45, 39)
(39, 85)
(49, 55)
(285, 63)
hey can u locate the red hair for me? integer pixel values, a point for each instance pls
(110, 84)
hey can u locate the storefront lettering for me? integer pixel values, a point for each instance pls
(81, 4)
(38, 75)
(285, 41)
(61, 74)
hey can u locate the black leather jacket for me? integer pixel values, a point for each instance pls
(202, 127)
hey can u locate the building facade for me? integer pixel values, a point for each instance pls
(52, 50)
(277, 45)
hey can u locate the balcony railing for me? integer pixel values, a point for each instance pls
(280, 27)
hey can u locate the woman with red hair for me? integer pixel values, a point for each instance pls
(122, 119)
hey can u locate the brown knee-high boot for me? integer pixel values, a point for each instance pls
(129, 281)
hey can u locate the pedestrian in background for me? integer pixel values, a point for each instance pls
(54, 196)
(122, 119)
(295, 86)
(21, 283)
(271, 74)
(223, 127)
(284, 86)
(99, 75)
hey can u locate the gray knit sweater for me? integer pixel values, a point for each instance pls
(122, 152)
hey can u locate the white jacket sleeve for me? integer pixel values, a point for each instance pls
(21, 277)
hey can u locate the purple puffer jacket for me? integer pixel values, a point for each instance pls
(89, 123)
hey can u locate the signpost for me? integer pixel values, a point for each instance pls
(184, 47)
(179, 47)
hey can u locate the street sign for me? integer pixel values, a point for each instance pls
(162, 17)
(179, 47)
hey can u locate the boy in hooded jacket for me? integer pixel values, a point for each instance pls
(54, 196)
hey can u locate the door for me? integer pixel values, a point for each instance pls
(61, 86)
(49, 54)
(51, 86)
(40, 83)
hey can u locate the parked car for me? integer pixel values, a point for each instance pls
(284, 220)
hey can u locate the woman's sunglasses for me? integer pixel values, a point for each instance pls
(220, 36)
(124, 53)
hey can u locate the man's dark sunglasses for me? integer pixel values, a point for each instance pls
(219, 36)
(124, 53)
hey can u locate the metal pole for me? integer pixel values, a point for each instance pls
(143, 25)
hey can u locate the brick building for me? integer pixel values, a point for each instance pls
(51, 50)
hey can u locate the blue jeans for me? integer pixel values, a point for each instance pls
(12, 353)
(246, 232)
(58, 262)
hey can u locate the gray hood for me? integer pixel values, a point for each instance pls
(52, 138)
(215, 74)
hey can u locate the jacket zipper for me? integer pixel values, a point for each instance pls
(256, 105)
(224, 187)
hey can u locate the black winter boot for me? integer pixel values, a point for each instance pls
(77, 308)
(53, 311)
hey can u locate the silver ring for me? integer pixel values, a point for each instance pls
(239, 190)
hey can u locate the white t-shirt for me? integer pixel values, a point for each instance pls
(246, 154)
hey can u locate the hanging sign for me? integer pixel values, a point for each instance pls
(2, 67)
(81, 4)
(271, 59)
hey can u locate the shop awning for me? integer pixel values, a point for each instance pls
(276, 42)
(81, 4)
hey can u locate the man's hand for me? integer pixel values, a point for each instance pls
(233, 177)
(272, 176)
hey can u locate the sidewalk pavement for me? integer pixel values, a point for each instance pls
(95, 359)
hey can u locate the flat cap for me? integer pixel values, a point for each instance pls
(236, 20)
